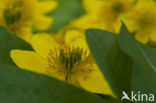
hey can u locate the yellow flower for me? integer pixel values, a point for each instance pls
(20, 15)
(70, 62)
(142, 21)
(87, 21)
(76, 29)
(108, 12)
(100, 14)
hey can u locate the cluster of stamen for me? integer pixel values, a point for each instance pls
(12, 15)
(68, 57)
(67, 60)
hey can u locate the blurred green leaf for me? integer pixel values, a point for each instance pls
(109, 98)
(141, 53)
(9, 41)
(67, 10)
(115, 64)
(19, 86)
(144, 57)
(127, 64)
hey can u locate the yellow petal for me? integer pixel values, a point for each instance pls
(26, 33)
(92, 6)
(42, 22)
(72, 35)
(75, 38)
(153, 36)
(142, 37)
(29, 60)
(80, 43)
(47, 6)
(43, 43)
(95, 82)
(75, 41)
(59, 37)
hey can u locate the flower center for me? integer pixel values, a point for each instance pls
(147, 21)
(12, 15)
(110, 13)
(68, 61)
(69, 57)
(11, 18)
(117, 7)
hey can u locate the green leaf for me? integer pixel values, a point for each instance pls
(144, 57)
(9, 41)
(127, 64)
(114, 63)
(67, 10)
(141, 53)
(19, 86)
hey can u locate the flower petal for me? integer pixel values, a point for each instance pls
(153, 36)
(81, 44)
(75, 38)
(29, 60)
(72, 35)
(142, 37)
(42, 22)
(95, 82)
(94, 4)
(43, 43)
(47, 6)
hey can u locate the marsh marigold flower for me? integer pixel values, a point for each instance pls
(108, 12)
(18, 16)
(71, 62)
(142, 21)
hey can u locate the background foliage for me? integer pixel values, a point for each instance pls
(67, 10)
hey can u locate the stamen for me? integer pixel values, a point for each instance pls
(68, 61)
(69, 57)
(11, 18)
(12, 14)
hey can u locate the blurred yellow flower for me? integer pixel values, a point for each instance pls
(70, 62)
(142, 21)
(20, 15)
(87, 21)
(100, 14)
(76, 29)
(108, 12)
